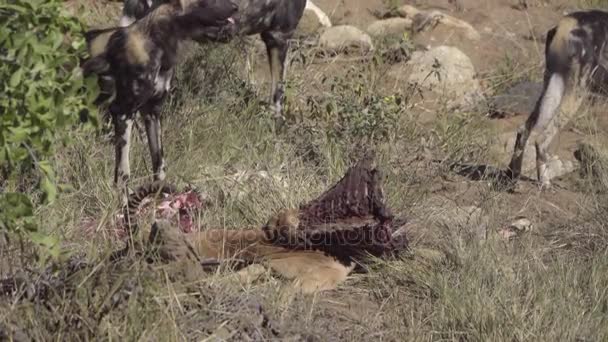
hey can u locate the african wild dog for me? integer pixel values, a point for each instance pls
(134, 65)
(576, 56)
(274, 20)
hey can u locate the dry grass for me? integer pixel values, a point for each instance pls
(548, 285)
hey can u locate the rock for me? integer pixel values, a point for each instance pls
(399, 52)
(447, 72)
(518, 99)
(323, 18)
(313, 20)
(454, 23)
(425, 20)
(308, 25)
(408, 11)
(390, 26)
(504, 145)
(556, 167)
(522, 224)
(345, 38)
(519, 226)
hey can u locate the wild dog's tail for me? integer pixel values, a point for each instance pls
(564, 42)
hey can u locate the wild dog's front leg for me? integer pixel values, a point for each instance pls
(123, 125)
(151, 112)
(276, 47)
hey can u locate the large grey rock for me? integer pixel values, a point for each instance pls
(345, 38)
(389, 27)
(447, 72)
(313, 20)
(428, 20)
(518, 99)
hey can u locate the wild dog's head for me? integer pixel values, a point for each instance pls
(133, 10)
(207, 19)
(199, 19)
(215, 13)
(136, 9)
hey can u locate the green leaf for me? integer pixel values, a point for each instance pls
(49, 189)
(46, 168)
(18, 134)
(48, 242)
(16, 78)
(16, 205)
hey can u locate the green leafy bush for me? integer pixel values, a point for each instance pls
(352, 114)
(43, 95)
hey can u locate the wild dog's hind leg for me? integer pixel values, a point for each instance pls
(570, 103)
(523, 133)
(546, 108)
(277, 46)
(151, 112)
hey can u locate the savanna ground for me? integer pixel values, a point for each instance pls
(548, 284)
